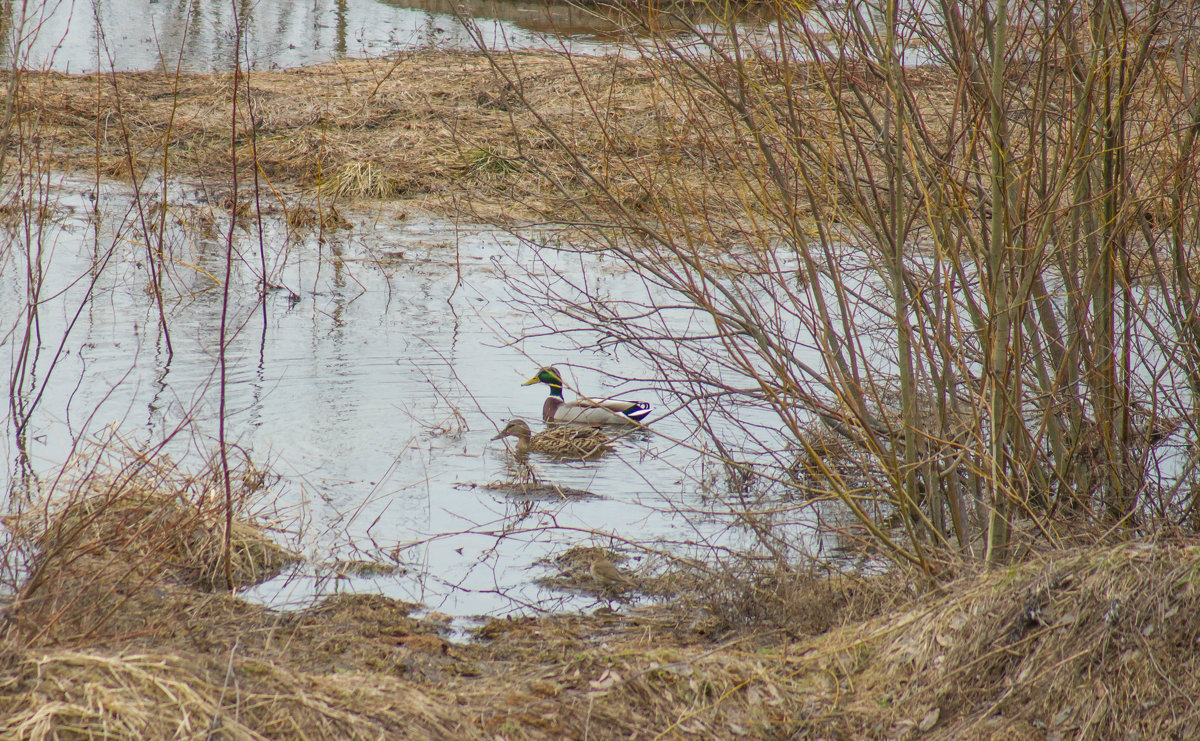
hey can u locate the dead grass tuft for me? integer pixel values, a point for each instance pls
(1091, 643)
(357, 180)
(183, 541)
(97, 694)
(129, 528)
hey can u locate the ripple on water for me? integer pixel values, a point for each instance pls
(374, 395)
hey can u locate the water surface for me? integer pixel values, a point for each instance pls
(385, 361)
(200, 35)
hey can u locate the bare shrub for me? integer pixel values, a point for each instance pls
(958, 237)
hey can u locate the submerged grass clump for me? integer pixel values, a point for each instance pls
(176, 539)
(129, 527)
(361, 179)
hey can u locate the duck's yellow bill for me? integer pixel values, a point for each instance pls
(532, 381)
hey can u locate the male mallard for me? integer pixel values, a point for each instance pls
(583, 409)
(565, 442)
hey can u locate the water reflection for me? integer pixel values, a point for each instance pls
(200, 35)
(540, 17)
(371, 383)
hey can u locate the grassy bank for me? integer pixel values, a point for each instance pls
(437, 130)
(1089, 643)
(121, 628)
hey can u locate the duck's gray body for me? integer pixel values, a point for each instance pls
(585, 410)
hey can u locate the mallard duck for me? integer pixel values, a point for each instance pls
(572, 442)
(583, 409)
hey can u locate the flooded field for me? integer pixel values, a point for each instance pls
(381, 363)
(199, 37)
(389, 356)
(916, 414)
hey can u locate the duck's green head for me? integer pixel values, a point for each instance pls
(549, 376)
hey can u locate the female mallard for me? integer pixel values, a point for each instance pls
(564, 442)
(583, 409)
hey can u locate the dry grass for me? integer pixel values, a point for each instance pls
(184, 541)
(358, 180)
(427, 128)
(116, 634)
(1088, 643)
(1093, 644)
(535, 136)
(100, 694)
(126, 529)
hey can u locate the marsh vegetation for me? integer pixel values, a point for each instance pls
(911, 289)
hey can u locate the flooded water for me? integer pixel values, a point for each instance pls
(385, 364)
(199, 36)
(203, 35)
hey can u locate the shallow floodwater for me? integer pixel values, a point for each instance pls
(199, 36)
(385, 364)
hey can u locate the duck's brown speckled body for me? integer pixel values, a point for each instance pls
(564, 441)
